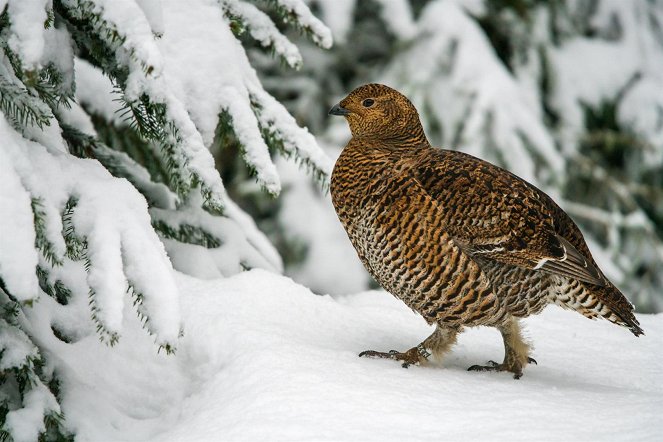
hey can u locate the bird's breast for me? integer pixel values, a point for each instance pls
(358, 182)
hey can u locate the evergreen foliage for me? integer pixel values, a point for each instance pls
(90, 103)
(565, 94)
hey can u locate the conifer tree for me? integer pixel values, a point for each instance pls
(564, 93)
(107, 111)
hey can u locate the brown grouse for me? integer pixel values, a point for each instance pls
(459, 240)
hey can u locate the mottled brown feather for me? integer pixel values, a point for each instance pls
(459, 240)
(498, 214)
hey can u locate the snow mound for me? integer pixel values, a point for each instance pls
(263, 358)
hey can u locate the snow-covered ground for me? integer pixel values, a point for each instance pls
(263, 358)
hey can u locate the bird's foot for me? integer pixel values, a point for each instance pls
(514, 368)
(414, 356)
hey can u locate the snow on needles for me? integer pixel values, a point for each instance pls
(199, 70)
(143, 58)
(27, 25)
(320, 34)
(202, 68)
(208, 69)
(109, 216)
(28, 422)
(639, 71)
(454, 75)
(18, 257)
(263, 29)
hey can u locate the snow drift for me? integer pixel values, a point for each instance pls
(263, 358)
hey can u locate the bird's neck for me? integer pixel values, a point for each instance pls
(406, 136)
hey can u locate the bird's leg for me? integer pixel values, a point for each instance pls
(438, 343)
(516, 351)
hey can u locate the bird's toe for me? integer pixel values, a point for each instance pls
(494, 366)
(490, 366)
(375, 354)
(482, 368)
(410, 357)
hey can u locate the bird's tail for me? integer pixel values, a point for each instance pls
(620, 310)
(606, 302)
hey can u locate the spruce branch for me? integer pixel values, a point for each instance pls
(58, 290)
(100, 37)
(105, 335)
(117, 163)
(122, 138)
(77, 251)
(148, 115)
(299, 15)
(277, 141)
(149, 120)
(144, 319)
(254, 152)
(20, 107)
(75, 246)
(46, 83)
(187, 233)
(244, 17)
(42, 243)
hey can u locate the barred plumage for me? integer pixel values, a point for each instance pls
(459, 240)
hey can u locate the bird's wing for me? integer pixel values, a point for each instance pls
(490, 211)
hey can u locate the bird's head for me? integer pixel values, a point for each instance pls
(376, 111)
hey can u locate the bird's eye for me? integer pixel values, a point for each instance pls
(367, 102)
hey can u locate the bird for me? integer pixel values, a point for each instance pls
(460, 241)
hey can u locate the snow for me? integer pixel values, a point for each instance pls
(242, 245)
(18, 257)
(204, 71)
(96, 92)
(640, 61)
(198, 69)
(58, 51)
(307, 217)
(398, 17)
(337, 14)
(263, 29)
(142, 56)
(320, 34)
(26, 423)
(15, 346)
(297, 142)
(27, 26)
(260, 357)
(263, 358)
(396, 14)
(452, 70)
(153, 14)
(110, 214)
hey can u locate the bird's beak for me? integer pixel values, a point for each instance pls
(338, 110)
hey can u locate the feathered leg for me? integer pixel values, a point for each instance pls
(437, 344)
(516, 351)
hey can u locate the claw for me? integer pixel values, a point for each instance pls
(532, 361)
(410, 357)
(494, 366)
(490, 366)
(375, 354)
(481, 368)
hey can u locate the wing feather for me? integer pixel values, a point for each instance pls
(574, 265)
(490, 211)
